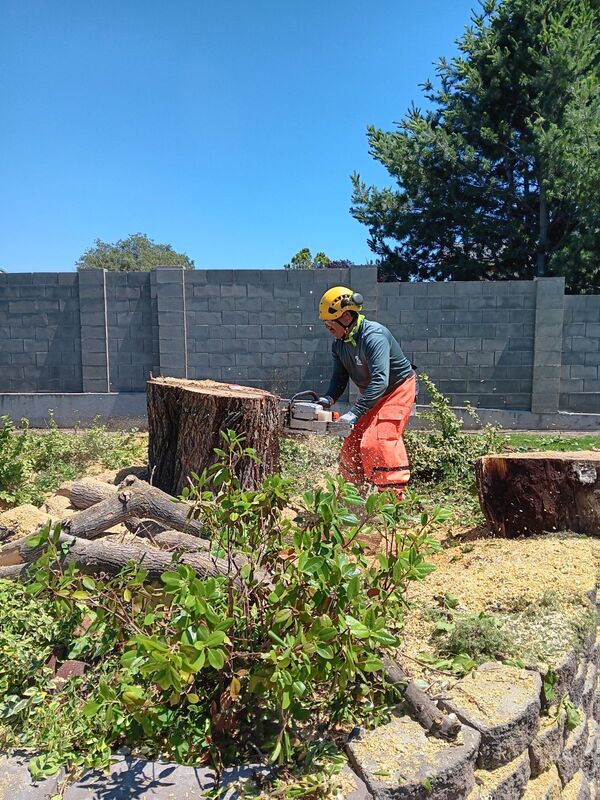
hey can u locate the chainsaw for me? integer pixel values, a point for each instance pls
(302, 414)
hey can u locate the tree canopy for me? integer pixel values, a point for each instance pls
(135, 253)
(500, 177)
(304, 260)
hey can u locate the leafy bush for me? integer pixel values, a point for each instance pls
(33, 464)
(445, 451)
(274, 656)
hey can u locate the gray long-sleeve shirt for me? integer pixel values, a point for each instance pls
(376, 365)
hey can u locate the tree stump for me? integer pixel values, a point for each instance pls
(524, 494)
(184, 422)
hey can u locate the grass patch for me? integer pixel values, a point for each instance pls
(563, 442)
(33, 464)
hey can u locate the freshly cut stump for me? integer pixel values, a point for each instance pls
(525, 494)
(185, 419)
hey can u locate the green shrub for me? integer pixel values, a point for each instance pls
(274, 656)
(33, 464)
(479, 636)
(445, 452)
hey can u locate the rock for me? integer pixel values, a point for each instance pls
(503, 704)
(546, 787)
(578, 788)
(576, 691)
(596, 654)
(591, 756)
(16, 783)
(572, 755)
(347, 785)
(589, 645)
(505, 783)
(134, 777)
(67, 670)
(596, 711)
(548, 744)
(398, 760)
(589, 688)
(565, 670)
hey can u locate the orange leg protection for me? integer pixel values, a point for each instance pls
(374, 452)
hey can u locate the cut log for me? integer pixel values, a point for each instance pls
(133, 498)
(185, 419)
(524, 494)
(177, 542)
(87, 492)
(423, 708)
(102, 557)
(146, 528)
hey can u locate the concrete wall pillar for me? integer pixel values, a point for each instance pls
(167, 292)
(548, 343)
(95, 366)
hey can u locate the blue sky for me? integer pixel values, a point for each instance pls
(227, 129)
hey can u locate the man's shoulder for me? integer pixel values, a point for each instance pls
(372, 328)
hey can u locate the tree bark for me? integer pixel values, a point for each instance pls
(87, 492)
(133, 498)
(185, 419)
(102, 557)
(525, 494)
(177, 542)
(424, 709)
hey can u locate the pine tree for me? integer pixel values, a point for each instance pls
(500, 178)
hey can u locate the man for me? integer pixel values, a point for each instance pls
(366, 352)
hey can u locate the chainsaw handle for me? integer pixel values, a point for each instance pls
(308, 393)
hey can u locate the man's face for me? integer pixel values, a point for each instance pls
(338, 327)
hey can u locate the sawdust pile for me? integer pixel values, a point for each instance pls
(504, 574)
(505, 577)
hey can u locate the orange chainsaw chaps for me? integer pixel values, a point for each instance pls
(374, 452)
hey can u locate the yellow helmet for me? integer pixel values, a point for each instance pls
(338, 300)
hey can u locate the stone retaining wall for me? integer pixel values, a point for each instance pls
(509, 748)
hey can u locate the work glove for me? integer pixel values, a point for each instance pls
(326, 402)
(343, 426)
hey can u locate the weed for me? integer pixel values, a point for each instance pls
(34, 464)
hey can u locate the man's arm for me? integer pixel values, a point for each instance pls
(339, 378)
(378, 361)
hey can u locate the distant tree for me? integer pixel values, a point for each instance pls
(500, 178)
(304, 260)
(342, 263)
(136, 253)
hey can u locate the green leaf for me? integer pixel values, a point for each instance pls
(216, 658)
(91, 708)
(357, 628)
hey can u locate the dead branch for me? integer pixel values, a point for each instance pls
(424, 709)
(133, 498)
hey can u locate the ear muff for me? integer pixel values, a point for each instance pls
(355, 299)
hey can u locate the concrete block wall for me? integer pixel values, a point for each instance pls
(131, 343)
(40, 338)
(258, 327)
(580, 376)
(495, 345)
(474, 339)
